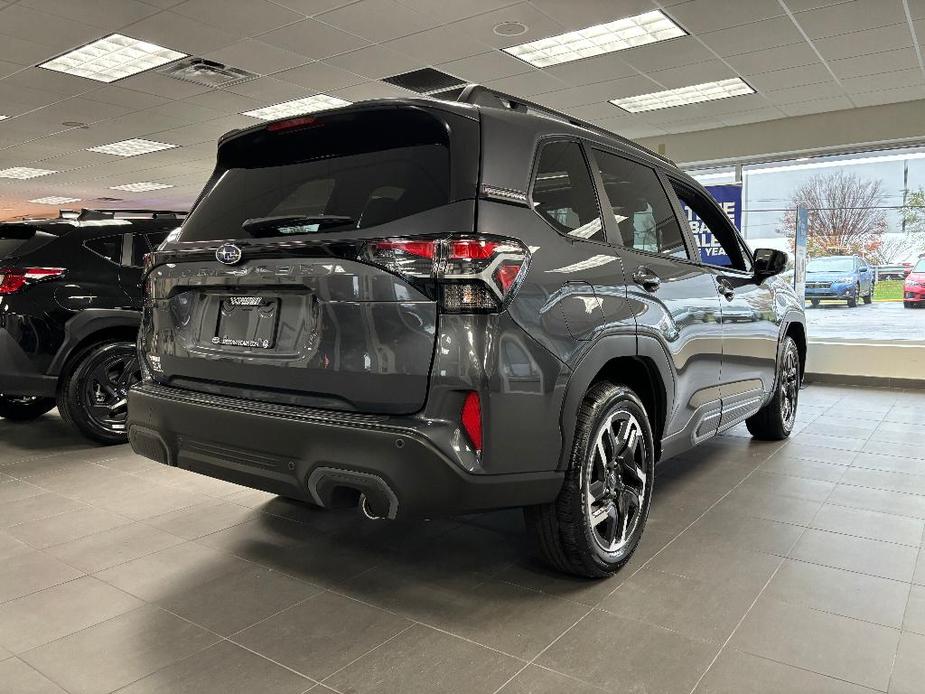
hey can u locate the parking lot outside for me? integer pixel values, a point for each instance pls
(886, 320)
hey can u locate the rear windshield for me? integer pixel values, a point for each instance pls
(340, 172)
(22, 239)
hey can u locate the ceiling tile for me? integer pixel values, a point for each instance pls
(378, 20)
(438, 45)
(320, 77)
(56, 33)
(372, 90)
(78, 109)
(313, 39)
(769, 33)
(888, 80)
(875, 63)
(56, 82)
(698, 73)
(801, 5)
(375, 62)
(806, 92)
(180, 33)
(224, 102)
(803, 108)
(850, 17)
(16, 94)
(485, 67)
(528, 84)
(864, 42)
(105, 14)
(452, 11)
(480, 27)
(591, 112)
(755, 116)
(257, 56)
(21, 52)
(769, 59)
(239, 17)
(161, 85)
(889, 96)
(310, 8)
(576, 15)
(709, 15)
(268, 90)
(600, 68)
(790, 77)
(7, 69)
(683, 50)
(119, 96)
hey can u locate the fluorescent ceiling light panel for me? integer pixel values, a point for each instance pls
(682, 96)
(629, 32)
(54, 200)
(24, 172)
(112, 58)
(131, 148)
(2, 117)
(310, 104)
(141, 186)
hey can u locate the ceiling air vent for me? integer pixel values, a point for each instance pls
(208, 73)
(426, 81)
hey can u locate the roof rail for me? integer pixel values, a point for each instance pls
(481, 95)
(91, 214)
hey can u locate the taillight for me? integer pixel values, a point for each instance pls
(471, 419)
(469, 274)
(14, 279)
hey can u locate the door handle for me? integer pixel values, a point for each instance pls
(726, 289)
(647, 279)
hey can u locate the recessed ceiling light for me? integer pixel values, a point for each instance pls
(131, 148)
(310, 104)
(629, 32)
(54, 200)
(112, 58)
(141, 186)
(682, 96)
(24, 172)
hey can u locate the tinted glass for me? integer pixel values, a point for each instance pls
(343, 173)
(919, 266)
(716, 242)
(110, 247)
(640, 206)
(563, 192)
(831, 264)
(7, 246)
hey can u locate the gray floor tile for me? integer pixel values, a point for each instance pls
(9, 545)
(847, 593)
(919, 577)
(825, 643)
(221, 669)
(424, 660)
(322, 634)
(201, 519)
(16, 677)
(714, 562)
(73, 525)
(14, 490)
(111, 547)
(888, 463)
(35, 508)
(909, 669)
(30, 571)
(785, 509)
(856, 554)
(720, 525)
(735, 672)
(239, 599)
(822, 454)
(843, 443)
(119, 651)
(537, 680)
(153, 501)
(613, 651)
(902, 482)
(42, 617)
(912, 505)
(908, 449)
(870, 524)
(810, 469)
(915, 611)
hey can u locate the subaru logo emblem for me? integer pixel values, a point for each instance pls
(228, 254)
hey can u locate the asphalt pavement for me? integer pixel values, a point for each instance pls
(879, 321)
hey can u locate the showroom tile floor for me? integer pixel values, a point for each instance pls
(765, 567)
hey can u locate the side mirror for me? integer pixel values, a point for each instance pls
(863, 271)
(769, 262)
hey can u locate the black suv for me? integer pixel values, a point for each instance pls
(70, 300)
(427, 307)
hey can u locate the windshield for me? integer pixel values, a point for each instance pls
(831, 264)
(349, 171)
(919, 266)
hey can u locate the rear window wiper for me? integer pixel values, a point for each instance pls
(259, 226)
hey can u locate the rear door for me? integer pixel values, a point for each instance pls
(295, 313)
(674, 300)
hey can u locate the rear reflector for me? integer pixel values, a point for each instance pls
(471, 418)
(14, 279)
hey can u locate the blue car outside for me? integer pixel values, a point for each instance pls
(843, 277)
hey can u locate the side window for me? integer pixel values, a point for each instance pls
(713, 231)
(156, 238)
(640, 206)
(563, 192)
(109, 247)
(140, 247)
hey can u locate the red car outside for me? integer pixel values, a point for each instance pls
(914, 286)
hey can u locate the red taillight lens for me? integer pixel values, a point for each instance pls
(14, 279)
(293, 123)
(471, 419)
(472, 249)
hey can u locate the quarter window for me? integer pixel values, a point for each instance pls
(713, 231)
(563, 192)
(109, 247)
(640, 207)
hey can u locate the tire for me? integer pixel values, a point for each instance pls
(18, 408)
(870, 294)
(814, 302)
(774, 421)
(563, 530)
(94, 387)
(853, 301)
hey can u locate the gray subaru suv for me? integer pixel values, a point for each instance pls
(423, 307)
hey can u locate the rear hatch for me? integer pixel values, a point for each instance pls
(20, 238)
(294, 312)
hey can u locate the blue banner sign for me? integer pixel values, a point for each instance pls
(729, 198)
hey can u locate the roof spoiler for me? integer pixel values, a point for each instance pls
(95, 214)
(480, 95)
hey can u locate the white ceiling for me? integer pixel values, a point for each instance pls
(802, 56)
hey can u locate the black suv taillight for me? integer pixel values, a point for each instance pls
(469, 274)
(12, 279)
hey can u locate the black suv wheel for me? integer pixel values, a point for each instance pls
(595, 524)
(774, 421)
(22, 408)
(94, 391)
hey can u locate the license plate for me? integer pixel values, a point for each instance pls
(247, 321)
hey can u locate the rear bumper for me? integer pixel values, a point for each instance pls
(17, 374)
(319, 456)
